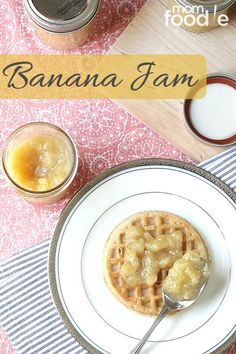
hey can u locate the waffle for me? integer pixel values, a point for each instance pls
(143, 298)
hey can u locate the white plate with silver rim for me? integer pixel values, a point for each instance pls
(91, 313)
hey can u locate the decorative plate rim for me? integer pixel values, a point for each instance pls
(72, 203)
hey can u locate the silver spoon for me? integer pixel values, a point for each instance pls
(169, 305)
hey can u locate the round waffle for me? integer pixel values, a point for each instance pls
(143, 298)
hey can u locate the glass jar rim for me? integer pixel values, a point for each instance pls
(57, 188)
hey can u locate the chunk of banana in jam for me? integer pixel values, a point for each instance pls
(186, 277)
(146, 255)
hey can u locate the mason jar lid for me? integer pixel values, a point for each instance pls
(208, 5)
(61, 16)
(212, 118)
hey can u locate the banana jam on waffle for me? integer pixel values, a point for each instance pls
(139, 253)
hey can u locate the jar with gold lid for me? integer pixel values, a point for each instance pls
(201, 15)
(62, 24)
(40, 162)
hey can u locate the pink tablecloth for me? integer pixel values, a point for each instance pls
(104, 134)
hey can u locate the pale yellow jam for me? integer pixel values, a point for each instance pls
(187, 276)
(145, 255)
(39, 163)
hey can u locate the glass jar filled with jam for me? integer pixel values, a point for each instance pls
(40, 162)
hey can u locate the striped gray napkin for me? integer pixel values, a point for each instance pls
(27, 311)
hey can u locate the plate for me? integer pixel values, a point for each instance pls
(91, 313)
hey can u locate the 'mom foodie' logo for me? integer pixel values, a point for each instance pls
(190, 16)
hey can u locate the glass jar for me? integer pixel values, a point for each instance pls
(62, 24)
(40, 162)
(195, 13)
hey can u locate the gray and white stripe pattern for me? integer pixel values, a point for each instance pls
(27, 311)
(223, 166)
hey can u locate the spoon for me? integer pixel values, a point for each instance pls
(170, 304)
